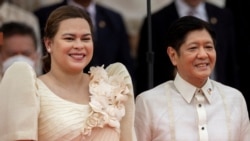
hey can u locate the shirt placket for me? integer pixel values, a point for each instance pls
(202, 118)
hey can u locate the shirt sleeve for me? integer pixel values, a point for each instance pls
(142, 120)
(127, 122)
(245, 130)
(19, 104)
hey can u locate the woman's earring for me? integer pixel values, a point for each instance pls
(48, 50)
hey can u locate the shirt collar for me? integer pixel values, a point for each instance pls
(91, 9)
(183, 8)
(187, 90)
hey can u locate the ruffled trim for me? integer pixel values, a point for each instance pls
(108, 95)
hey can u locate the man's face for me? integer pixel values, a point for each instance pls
(197, 57)
(18, 45)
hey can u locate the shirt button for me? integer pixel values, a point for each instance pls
(199, 105)
(202, 128)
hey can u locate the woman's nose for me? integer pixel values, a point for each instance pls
(79, 44)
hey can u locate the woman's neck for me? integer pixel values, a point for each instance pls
(66, 79)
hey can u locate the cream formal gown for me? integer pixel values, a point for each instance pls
(30, 110)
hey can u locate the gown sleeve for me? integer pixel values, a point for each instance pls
(127, 122)
(19, 104)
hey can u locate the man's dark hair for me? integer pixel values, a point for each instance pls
(179, 29)
(16, 28)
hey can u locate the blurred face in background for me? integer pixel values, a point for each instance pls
(19, 45)
(18, 48)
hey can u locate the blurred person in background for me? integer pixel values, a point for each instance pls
(19, 44)
(10, 12)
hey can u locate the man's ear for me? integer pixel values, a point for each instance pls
(172, 54)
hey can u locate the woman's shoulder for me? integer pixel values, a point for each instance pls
(112, 69)
(19, 79)
(118, 68)
(18, 89)
(109, 92)
(19, 71)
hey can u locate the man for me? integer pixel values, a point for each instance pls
(192, 107)
(19, 44)
(110, 38)
(10, 12)
(221, 20)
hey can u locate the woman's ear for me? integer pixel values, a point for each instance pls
(172, 54)
(47, 43)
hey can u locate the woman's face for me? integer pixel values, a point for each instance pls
(71, 49)
(196, 59)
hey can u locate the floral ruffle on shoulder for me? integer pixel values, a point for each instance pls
(108, 94)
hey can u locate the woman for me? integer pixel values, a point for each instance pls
(66, 104)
